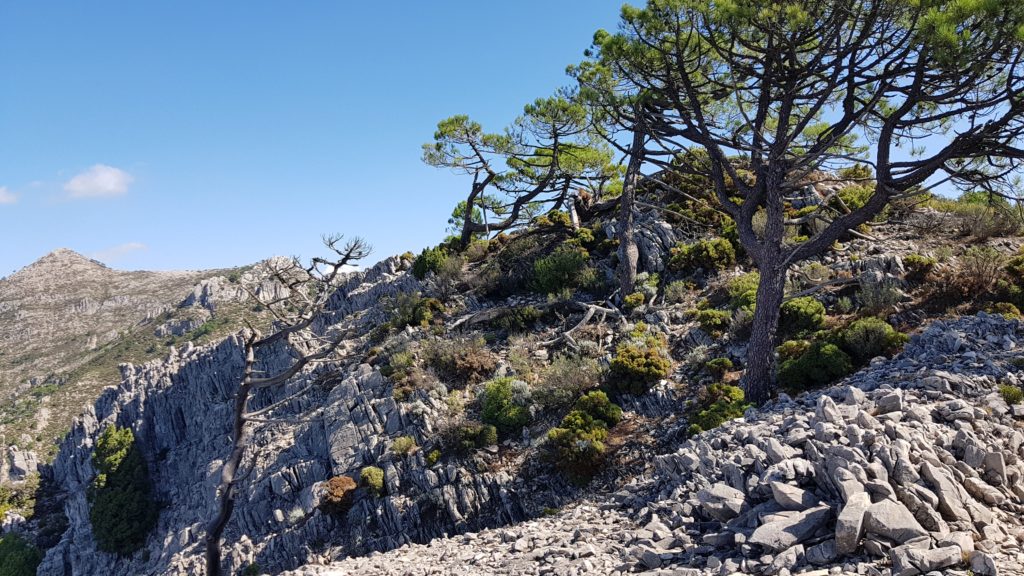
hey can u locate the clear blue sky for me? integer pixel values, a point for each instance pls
(186, 135)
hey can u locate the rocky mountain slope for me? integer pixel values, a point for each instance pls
(912, 466)
(65, 323)
(464, 399)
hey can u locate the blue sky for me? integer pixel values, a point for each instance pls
(192, 135)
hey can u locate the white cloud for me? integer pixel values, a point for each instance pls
(99, 181)
(115, 253)
(6, 196)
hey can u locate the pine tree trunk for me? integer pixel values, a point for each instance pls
(759, 377)
(629, 254)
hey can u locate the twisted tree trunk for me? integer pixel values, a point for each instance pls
(629, 254)
(226, 488)
(759, 377)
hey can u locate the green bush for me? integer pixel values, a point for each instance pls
(598, 406)
(718, 403)
(800, 315)
(712, 320)
(504, 404)
(1012, 394)
(433, 457)
(867, 338)
(430, 260)
(710, 255)
(635, 368)
(821, 364)
(633, 301)
(566, 267)
(372, 478)
(122, 509)
(1006, 310)
(404, 445)
(742, 290)
(18, 556)
(791, 349)
(470, 436)
(577, 444)
(918, 267)
(718, 366)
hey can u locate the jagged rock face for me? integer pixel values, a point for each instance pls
(180, 412)
(911, 466)
(56, 312)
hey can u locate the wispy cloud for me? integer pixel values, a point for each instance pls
(99, 181)
(115, 253)
(6, 196)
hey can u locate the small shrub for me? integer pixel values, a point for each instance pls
(565, 379)
(476, 251)
(372, 478)
(469, 436)
(712, 320)
(718, 403)
(918, 267)
(982, 222)
(566, 267)
(433, 457)
(981, 266)
(577, 444)
(122, 509)
(678, 291)
(460, 361)
(504, 404)
(800, 315)
(18, 556)
(718, 366)
(844, 305)
(869, 337)
(411, 309)
(633, 301)
(635, 368)
(430, 260)
(792, 349)
(1011, 394)
(821, 364)
(338, 493)
(710, 255)
(404, 445)
(1006, 310)
(252, 570)
(878, 296)
(598, 406)
(742, 290)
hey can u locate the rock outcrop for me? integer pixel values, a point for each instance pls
(179, 410)
(912, 466)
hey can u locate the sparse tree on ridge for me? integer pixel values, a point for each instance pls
(925, 92)
(538, 161)
(298, 313)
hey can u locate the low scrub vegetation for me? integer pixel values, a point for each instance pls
(717, 404)
(578, 444)
(505, 404)
(372, 478)
(638, 364)
(708, 255)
